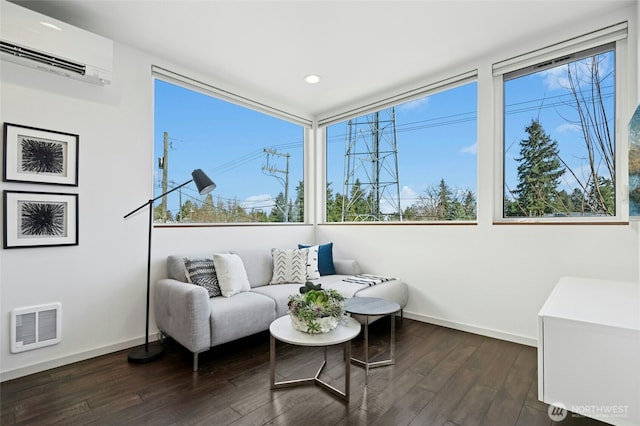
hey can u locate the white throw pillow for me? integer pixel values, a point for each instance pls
(289, 265)
(232, 277)
(313, 273)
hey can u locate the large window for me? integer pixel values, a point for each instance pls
(255, 160)
(415, 161)
(560, 148)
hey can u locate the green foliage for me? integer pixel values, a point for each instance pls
(315, 303)
(442, 203)
(435, 203)
(539, 172)
(308, 286)
(231, 211)
(601, 197)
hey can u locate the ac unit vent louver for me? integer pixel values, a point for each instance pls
(43, 58)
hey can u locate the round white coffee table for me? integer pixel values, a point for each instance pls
(282, 330)
(367, 307)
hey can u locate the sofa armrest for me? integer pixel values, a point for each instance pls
(183, 312)
(346, 267)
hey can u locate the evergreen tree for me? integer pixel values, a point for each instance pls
(332, 206)
(445, 205)
(185, 212)
(297, 208)
(357, 206)
(601, 198)
(539, 172)
(278, 212)
(469, 206)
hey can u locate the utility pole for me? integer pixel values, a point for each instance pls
(273, 170)
(164, 163)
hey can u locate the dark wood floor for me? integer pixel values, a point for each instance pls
(441, 377)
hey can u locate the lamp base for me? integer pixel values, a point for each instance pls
(140, 355)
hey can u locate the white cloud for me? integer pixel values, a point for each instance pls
(259, 202)
(414, 104)
(569, 127)
(408, 196)
(471, 149)
(555, 78)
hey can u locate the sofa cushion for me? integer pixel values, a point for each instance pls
(289, 265)
(313, 273)
(325, 258)
(200, 271)
(280, 294)
(175, 268)
(242, 315)
(232, 276)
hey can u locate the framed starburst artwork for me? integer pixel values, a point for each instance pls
(39, 156)
(39, 219)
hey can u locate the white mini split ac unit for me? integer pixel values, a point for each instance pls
(37, 41)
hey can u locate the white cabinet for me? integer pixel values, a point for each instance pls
(589, 349)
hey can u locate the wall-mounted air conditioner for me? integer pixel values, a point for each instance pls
(37, 41)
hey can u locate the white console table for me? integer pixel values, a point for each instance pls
(589, 349)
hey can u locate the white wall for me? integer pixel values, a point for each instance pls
(485, 278)
(101, 282)
(493, 279)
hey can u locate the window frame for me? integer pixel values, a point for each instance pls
(523, 65)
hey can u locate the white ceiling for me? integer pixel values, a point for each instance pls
(359, 48)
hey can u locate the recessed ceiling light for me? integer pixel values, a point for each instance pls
(312, 79)
(52, 26)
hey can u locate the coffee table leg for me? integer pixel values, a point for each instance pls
(393, 338)
(347, 370)
(272, 362)
(366, 349)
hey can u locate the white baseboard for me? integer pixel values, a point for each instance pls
(523, 340)
(70, 359)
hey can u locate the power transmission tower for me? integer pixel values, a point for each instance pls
(274, 171)
(371, 183)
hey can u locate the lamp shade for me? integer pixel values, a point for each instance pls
(202, 181)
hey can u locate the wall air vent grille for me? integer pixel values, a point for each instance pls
(35, 327)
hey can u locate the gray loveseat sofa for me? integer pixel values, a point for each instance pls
(186, 313)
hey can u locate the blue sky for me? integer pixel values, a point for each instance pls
(226, 141)
(544, 96)
(436, 139)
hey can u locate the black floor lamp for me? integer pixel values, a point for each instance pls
(204, 185)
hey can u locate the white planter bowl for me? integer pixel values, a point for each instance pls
(326, 324)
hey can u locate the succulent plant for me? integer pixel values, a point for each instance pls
(314, 303)
(310, 286)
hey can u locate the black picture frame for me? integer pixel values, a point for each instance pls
(34, 155)
(39, 219)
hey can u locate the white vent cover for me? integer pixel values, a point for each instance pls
(34, 327)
